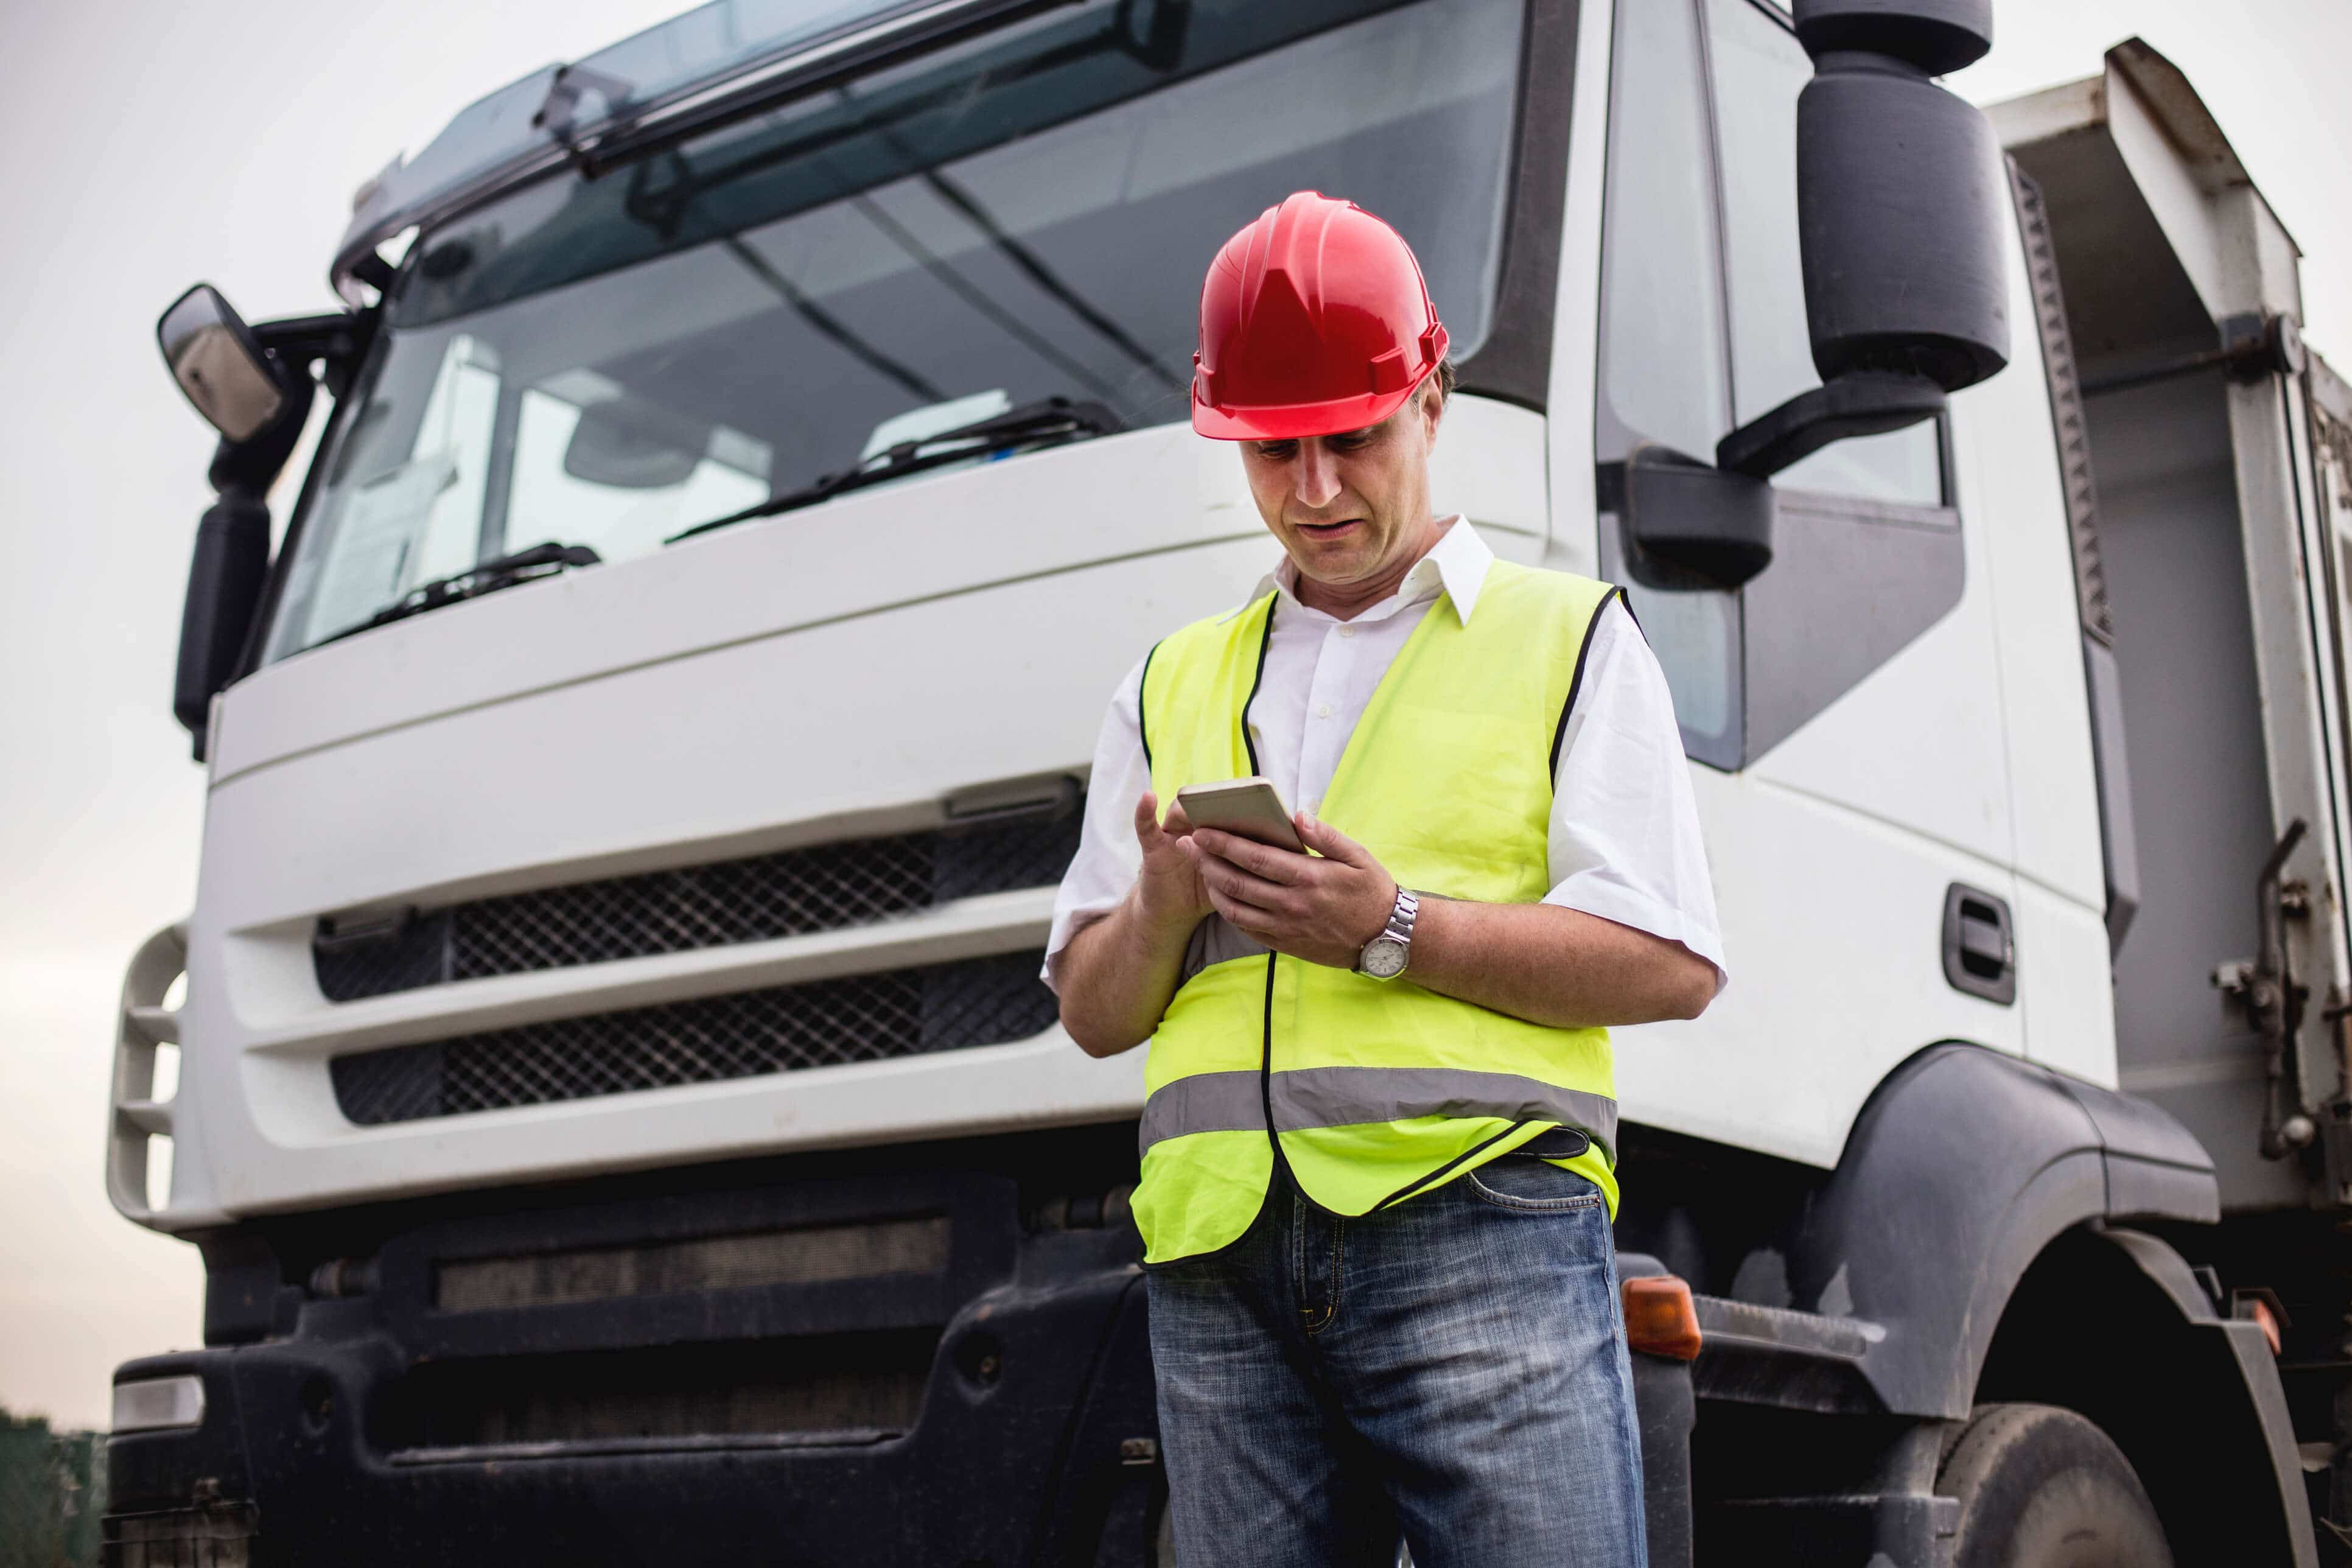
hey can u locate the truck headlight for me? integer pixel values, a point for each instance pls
(155, 1403)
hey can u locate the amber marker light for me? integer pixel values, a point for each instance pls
(2265, 1319)
(1660, 1318)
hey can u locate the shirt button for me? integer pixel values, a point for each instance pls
(1323, 711)
(1312, 806)
(1347, 631)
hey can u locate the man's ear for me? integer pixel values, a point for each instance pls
(1429, 400)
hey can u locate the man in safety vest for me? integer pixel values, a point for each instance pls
(1381, 1125)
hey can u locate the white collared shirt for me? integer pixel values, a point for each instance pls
(1623, 839)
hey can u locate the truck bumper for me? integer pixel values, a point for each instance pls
(968, 1382)
(894, 1366)
(1034, 1457)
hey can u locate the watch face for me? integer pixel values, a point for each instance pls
(1383, 956)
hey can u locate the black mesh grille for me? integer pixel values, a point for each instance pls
(824, 1023)
(823, 886)
(859, 1386)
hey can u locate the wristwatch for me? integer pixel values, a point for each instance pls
(1385, 956)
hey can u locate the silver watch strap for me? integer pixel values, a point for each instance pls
(1402, 915)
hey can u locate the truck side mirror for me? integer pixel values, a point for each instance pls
(1717, 523)
(1898, 186)
(229, 568)
(220, 364)
(225, 576)
(255, 388)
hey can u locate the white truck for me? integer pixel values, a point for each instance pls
(614, 1096)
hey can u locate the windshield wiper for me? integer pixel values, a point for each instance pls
(502, 571)
(1049, 422)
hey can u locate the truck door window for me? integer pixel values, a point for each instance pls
(1703, 325)
(1662, 342)
(1664, 352)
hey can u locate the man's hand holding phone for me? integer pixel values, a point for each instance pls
(1322, 907)
(1168, 890)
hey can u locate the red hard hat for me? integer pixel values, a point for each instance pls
(1314, 320)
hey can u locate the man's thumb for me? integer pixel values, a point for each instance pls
(1146, 817)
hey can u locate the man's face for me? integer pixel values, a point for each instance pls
(1348, 507)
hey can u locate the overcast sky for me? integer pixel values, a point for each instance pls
(148, 145)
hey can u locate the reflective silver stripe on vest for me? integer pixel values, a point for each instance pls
(1205, 1102)
(1215, 940)
(1344, 1097)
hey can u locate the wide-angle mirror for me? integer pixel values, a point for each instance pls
(219, 364)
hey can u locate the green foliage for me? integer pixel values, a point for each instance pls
(52, 1487)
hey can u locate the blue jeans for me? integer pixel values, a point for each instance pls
(1452, 1370)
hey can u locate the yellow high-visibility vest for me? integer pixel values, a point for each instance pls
(1375, 1092)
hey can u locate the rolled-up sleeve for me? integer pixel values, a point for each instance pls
(1625, 840)
(1109, 857)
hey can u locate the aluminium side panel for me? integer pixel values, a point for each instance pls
(2243, 263)
(2235, 709)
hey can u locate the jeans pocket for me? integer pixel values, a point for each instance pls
(1532, 1185)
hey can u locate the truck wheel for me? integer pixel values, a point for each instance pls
(2043, 1488)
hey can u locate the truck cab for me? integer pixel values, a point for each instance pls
(616, 1096)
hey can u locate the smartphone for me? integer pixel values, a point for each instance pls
(1249, 808)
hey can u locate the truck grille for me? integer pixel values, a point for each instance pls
(821, 1023)
(792, 892)
(801, 1255)
(854, 1387)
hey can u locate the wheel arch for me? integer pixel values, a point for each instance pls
(2110, 1323)
(1978, 1219)
(1964, 1165)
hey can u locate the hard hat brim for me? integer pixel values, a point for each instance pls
(1299, 421)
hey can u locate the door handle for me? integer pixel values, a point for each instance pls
(1979, 943)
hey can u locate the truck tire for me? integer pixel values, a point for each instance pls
(2043, 1488)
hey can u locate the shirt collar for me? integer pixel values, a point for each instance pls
(1457, 565)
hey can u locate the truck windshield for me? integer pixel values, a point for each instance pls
(609, 361)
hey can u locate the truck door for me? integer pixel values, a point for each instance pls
(1843, 709)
